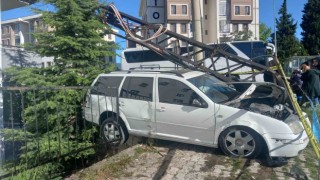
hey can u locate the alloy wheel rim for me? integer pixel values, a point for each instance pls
(111, 132)
(240, 143)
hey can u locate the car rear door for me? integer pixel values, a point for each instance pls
(136, 102)
(102, 96)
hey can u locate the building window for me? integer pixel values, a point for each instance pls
(184, 9)
(224, 26)
(6, 30)
(173, 27)
(42, 64)
(247, 10)
(17, 27)
(5, 42)
(183, 28)
(205, 2)
(48, 64)
(223, 8)
(237, 10)
(17, 41)
(173, 9)
(109, 36)
(183, 43)
(235, 27)
(8, 42)
(206, 32)
(205, 16)
(245, 27)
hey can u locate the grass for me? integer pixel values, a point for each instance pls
(116, 168)
(311, 163)
(108, 170)
(311, 157)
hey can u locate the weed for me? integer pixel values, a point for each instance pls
(311, 163)
(208, 177)
(139, 150)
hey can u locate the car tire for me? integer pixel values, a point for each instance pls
(113, 132)
(240, 142)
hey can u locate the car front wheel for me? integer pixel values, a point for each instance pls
(240, 141)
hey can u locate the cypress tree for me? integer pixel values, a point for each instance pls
(311, 27)
(287, 43)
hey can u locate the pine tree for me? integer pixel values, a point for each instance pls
(311, 27)
(76, 43)
(287, 43)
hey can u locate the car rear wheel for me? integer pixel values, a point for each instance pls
(113, 132)
(240, 141)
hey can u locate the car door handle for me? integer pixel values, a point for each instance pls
(162, 109)
(121, 103)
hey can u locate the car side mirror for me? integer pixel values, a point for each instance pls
(197, 103)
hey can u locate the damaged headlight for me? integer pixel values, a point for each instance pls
(295, 125)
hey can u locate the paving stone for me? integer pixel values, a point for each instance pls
(186, 162)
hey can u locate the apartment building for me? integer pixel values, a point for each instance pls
(220, 19)
(16, 32)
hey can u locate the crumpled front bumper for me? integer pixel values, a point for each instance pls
(286, 145)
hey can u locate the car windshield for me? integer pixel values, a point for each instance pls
(218, 91)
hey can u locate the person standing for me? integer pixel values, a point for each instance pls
(310, 85)
(315, 63)
(296, 83)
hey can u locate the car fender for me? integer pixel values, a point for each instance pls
(260, 123)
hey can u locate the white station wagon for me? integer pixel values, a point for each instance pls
(187, 106)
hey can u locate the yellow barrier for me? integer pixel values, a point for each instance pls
(296, 106)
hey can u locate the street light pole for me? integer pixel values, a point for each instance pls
(274, 29)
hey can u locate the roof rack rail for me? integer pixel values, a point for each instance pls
(168, 72)
(154, 66)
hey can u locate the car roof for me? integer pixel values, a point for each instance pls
(185, 73)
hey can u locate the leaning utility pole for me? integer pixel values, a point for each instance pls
(197, 26)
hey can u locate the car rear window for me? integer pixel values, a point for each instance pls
(139, 88)
(107, 86)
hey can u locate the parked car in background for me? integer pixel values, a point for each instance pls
(187, 106)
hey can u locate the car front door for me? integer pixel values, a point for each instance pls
(136, 102)
(182, 114)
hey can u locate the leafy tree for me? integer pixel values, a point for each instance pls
(242, 35)
(76, 43)
(287, 43)
(264, 32)
(311, 27)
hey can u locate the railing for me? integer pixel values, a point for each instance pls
(45, 134)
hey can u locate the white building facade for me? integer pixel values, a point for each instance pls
(221, 19)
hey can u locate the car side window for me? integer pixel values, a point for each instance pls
(175, 92)
(106, 86)
(139, 88)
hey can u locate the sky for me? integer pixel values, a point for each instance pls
(268, 11)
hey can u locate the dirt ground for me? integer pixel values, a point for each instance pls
(157, 159)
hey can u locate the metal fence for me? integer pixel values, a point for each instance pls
(44, 132)
(295, 62)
